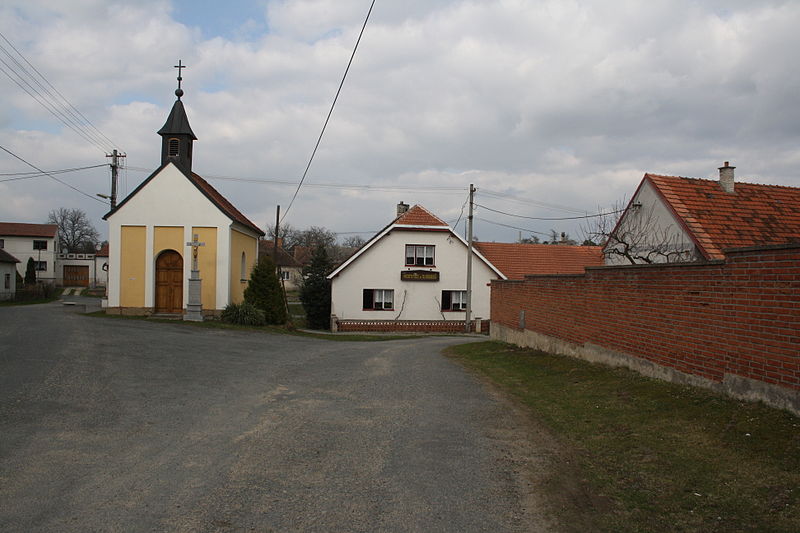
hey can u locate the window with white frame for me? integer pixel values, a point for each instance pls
(8, 281)
(41, 266)
(379, 299)
(454, 300)
(285, 275)
(419, 255)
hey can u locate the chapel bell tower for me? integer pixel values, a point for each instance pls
(176, 134)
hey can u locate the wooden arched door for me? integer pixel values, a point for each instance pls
(169, 282)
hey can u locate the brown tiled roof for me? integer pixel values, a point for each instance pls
(518, 260)
(6, 257)
(19, 229)
(302, 254)
(752, 215)
(284, 258)
(223, 203)
(419, 216)
(103, 251)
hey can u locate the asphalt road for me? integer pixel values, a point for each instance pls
(131, 425)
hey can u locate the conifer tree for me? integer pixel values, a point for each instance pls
(315, 292)
(30, 272)
(264, 291)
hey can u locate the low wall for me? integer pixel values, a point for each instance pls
(730, 325)
(416, 326)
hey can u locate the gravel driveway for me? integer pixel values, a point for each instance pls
(131, 425)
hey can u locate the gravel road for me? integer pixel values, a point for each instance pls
(131, 425)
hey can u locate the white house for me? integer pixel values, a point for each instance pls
(32, 241)
(8, 275)
(412, 275)
(676, 219)
(149, 258)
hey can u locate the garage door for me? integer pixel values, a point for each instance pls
(76, 276)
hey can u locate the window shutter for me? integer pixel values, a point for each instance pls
(445, 300)
(368, 299)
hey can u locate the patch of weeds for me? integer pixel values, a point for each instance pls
(666, 457)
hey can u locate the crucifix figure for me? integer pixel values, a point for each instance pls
(195, 244)
(179, 91)
(194, 305)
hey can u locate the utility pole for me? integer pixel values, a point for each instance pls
(115, 156)
(467, 319)
(275, 242)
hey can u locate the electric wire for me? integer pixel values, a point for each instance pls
(528, 201)
(325, 125)
(30, 175)
(512, 227)
(556, 218)
(50, 175)
(345, 186)
(59, 106)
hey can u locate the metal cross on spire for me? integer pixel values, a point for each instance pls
(179, 91)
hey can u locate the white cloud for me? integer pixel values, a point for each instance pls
(568, 102)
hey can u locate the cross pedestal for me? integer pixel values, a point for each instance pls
(194, 305)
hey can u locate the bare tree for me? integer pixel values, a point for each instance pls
(75, 232)
(637, 236)
(354, 241)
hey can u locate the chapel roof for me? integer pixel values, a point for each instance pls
(208, 191)
(516, 260)
(21, 229)
(751, 215)
(177, 122)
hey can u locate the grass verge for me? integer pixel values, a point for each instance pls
(663, 457)
(274, 330)
(34, 301)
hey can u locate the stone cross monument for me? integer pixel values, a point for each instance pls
(194, 306)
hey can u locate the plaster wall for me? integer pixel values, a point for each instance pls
(169, 199)
(379, 268)
(22, 249)
(243, 257)
(10, 270)
(662, 222)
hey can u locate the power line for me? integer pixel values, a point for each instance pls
(30, 175)
(512, 227)
(526, 201)
(558, 218)
(325, 125)
(50, 175)
(346, 186)
(59, 106)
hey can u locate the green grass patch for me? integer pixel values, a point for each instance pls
(667, 457)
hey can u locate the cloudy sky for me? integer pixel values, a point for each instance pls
(551, 108)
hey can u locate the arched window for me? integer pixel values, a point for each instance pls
(244, 266)
(174, 147)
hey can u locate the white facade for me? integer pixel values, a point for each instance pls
(23, 247)
(83, 260)
(379, 264)
(171, 200)
(651, 225)
(8, 280)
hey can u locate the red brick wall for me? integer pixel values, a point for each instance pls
(740, 317)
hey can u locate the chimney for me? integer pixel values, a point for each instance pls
(726, 177)
(401, 208)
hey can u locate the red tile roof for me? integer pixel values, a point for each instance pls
(517, 260)
(223, 203)
(103, 251)
(285, 259)
(19, 229)
(752, 215)
(419, 216)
